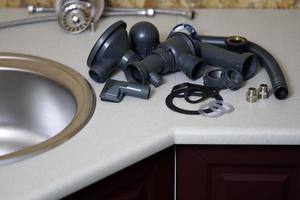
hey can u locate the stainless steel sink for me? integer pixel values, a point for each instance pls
(42, 104)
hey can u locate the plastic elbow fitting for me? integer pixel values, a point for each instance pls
(245, 63)
(114, 91)
(178, 52)
(111, 51)
(146, 70)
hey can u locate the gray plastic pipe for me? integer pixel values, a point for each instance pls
(245, 63)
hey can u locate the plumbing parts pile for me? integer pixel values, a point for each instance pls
(223, 62)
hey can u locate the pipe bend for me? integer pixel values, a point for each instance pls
(278, 81)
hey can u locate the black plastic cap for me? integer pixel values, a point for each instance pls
(144, 37)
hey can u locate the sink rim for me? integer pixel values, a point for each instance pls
(74, 82)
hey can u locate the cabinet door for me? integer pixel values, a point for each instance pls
(149, 179)
(238, 173)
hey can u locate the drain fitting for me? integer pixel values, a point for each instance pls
(251, 95)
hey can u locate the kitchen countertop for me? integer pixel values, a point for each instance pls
(119, 135)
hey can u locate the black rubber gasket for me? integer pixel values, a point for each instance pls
(187, 90)
(192, 92)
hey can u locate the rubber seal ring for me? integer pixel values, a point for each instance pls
(187, 90)
(190, 92)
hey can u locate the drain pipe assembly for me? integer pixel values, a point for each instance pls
(272, 67)
(240, 45)
(178, 52)
(181, 52)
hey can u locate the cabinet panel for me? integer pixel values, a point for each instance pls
(248, 184)
(238, 172)
(149, 179)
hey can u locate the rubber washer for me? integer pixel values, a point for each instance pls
(187, 90)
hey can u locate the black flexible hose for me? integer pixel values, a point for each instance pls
(267, 60)
(270, 64)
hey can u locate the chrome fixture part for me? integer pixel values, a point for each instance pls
(43, 103)
(31, 20)
(75, 16)
(33, 9)
(263, 91)
(113, 12)
(96, 7)
(185, 28)
(251, 95)
(108, 11)
(190, 14)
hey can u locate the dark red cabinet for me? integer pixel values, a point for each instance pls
(238, 173)
(149, 179)
(206, 173)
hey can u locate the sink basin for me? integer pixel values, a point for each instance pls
(42, 104)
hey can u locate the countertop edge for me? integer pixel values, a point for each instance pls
(92, 174)
(178, 136)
